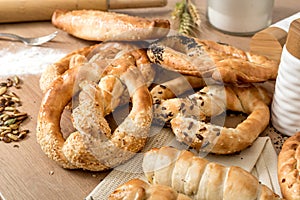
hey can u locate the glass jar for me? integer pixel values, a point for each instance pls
(240, 17)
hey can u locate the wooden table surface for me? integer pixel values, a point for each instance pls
(25, 171)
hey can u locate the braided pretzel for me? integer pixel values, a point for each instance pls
(204, 58)
(198, 178)
(288, 168)
(106, 50)
(187, 115)
(88, 148)
(137, 189)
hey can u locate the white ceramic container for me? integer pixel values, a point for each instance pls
(285, 109)
(241, 17)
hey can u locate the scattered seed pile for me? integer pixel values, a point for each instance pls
(10, 117)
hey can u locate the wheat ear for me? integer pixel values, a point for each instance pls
(195, 14)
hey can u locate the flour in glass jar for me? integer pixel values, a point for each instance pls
(27, 60)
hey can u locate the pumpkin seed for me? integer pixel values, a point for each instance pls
(12, 136)
(10, 117)
(3, 90)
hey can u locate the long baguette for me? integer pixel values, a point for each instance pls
(99, 25)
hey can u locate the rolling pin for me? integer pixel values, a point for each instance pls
(35, 10)
(270, 41)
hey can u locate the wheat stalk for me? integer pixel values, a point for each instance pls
(188, 16)
(178, 10)
(186, 24)
(194, 12)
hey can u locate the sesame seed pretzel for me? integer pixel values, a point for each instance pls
(187, 117)
(204, 58)
(93, 146)
(108, 51)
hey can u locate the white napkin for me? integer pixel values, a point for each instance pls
(266, 167)
(260, 159)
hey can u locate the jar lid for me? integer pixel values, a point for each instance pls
(293, 39)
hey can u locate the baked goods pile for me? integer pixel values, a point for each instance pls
(122, 69)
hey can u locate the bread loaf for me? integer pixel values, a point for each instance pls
(200, 179)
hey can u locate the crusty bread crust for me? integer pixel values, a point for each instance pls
(106, 50)
(99, 25)
(56, 69)
(203, 58)
(86, 147)
(200, 179)
(289, 168)
(137, 189)
(187, 116)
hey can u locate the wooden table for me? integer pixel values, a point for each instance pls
(25, 171)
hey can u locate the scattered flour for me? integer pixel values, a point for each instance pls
(27, 60)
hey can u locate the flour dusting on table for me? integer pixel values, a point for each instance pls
(27, 60)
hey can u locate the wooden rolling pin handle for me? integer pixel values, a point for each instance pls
(120, 4)
(33, 10)
(269, 42)
(293, 39)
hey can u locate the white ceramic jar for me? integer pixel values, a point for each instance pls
(240, 17)
(285, 109)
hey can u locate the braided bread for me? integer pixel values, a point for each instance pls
(58, 68)
(205, 58)
(92, 146)
(186, 117)
(289, 168)
(99, 25)
(137, 189)
(200, 179)
(107, 51)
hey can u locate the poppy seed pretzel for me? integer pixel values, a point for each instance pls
(89, 148)
(187, 115)
(289, 168)
(203, 58)
(170, 90)
(137, 189)
(198, 178)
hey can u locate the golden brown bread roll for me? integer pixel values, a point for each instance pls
(200, 179)
(56, 69)
(107, 51)
(289, 168)
(99, 25)
(137, 189)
